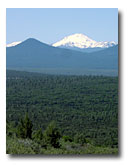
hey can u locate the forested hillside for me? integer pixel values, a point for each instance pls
(81, 112)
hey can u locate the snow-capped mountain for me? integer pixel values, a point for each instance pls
(81, 41)
(13, 44)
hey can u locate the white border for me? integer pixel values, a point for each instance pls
(123, 158)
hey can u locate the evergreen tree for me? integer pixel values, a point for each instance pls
(52, 135)
(25, 127)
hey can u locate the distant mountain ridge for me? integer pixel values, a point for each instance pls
(33, 54)
(76, 41)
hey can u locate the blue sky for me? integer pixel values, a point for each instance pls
(52, 24)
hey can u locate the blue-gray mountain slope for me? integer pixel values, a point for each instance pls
(34, 54)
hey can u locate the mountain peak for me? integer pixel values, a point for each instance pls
(79, 35)
(75, 40)
(29, 40)
(80, 40)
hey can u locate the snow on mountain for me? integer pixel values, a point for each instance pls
(81, 41)
(13, 44)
